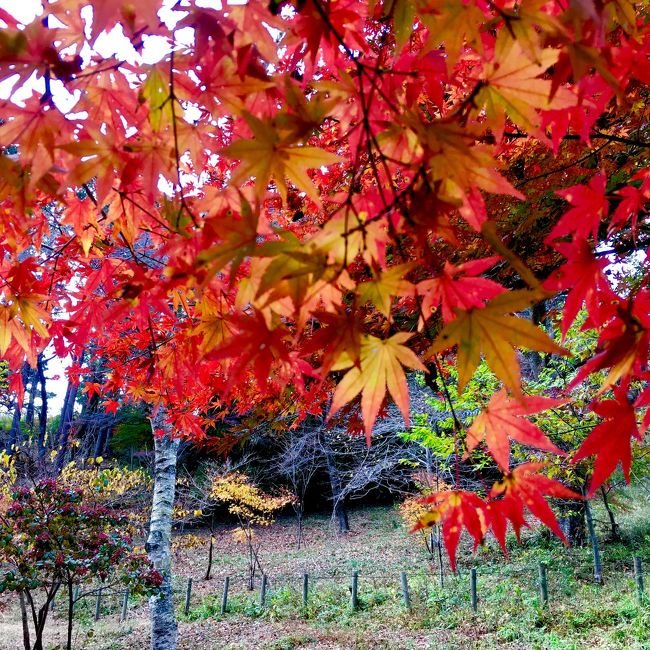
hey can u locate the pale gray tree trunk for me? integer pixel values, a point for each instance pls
(595, 546)
(164, 631)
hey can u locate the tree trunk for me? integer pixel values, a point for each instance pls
(341, 515)
(102, 438)
(338, 511)
(67, 413)
(300, 511)
(39, 617)
(15, 433)
(613, 525)
(598, 566)
(210, 551)
(164, 630)
(70, 615)
(87, 419)
(25, 621)
(572, 522)
(30, 409)
(63, 432)
(42, 414)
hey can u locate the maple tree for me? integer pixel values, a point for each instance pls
(289, 192)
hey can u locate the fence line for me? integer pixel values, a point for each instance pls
(304, 584)
(339, 575)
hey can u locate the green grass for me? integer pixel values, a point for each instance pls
(509, 609)
(510, 615)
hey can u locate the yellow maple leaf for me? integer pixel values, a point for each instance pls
(453, 24)
(5, 331)
(345, 236)
(496, 334)
(212, 324)
(384, 286)
(457, 162)
(381, 362)
(403, 15)
(267, 157)
(511, 85)
(623, 13)
(30, 312)
(155, 91)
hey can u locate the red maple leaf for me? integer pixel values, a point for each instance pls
(502, 511)
(623, 343)
(583, 274)
(632, 202)
(111, 406)
(524, 488)
(611, 440)
(590, 205)
(255, 346)
(458, 287)
(455, 510)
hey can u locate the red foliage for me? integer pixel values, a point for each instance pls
(298, 189)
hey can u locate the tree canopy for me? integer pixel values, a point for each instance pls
(291, 205)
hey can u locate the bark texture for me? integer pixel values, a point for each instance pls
(164, 630)
(595, 547)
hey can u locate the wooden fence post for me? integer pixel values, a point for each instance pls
(638, 577)
(405, 591)
(305, 589)
(263, 590)
(355, 590)
(224, 597)
(543, 584)
(98, 603)
(473, 590)
(125, 606)
(188, 595)
(75, 597)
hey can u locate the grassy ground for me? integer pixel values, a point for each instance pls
(510, 616)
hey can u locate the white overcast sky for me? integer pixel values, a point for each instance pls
(25, 11)
(106, 45)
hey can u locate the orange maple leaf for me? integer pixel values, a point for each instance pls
(92, 388)
(502, 419)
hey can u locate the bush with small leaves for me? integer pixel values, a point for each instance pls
(51, 538)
